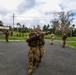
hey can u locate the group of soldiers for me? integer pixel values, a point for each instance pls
(64, 36)
(36, 50)
(36, 43)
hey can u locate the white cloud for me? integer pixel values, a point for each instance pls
(10, 4)
(33, 12)
(69, 5)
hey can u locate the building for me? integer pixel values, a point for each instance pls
(4, 28)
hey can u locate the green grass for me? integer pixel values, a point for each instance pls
(72, 43)
(17, 38)
(68, 39)
(71, 38)
(15, 33)
(14, 37)
(56, 37)
(2, 37)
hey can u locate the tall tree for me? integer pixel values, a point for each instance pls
(18, 29)
(55, 25)
(1, 23)
(34, 27)
(18, 24)
(44, 28)
(64, 19)
(48, 27)
(38, 26)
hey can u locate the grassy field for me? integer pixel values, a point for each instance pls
(14, 37)
(60, 38)
(72, 43)
(71, 40)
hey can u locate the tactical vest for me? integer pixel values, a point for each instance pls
(32, 41)
(64, 37)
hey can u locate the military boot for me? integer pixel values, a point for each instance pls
(29, 72)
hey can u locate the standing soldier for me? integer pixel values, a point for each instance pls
(11, 33)
(6, 35)
(64, 40)
(52, 38)
(41, 43)
(33, 53)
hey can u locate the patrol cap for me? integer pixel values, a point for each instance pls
(64, 34)
(32, 30)
(38, 29)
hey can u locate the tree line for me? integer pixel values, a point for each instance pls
(59, 25)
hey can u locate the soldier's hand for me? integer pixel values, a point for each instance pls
(27, 37)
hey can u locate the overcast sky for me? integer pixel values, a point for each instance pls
(33, 12)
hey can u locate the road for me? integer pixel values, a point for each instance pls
(56, 60)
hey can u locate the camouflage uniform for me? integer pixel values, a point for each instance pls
(52, 38)
(64, 40)
(6, 35)
(33, 53)
(41, 43)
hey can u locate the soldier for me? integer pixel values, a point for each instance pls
(52, 38)
(6, 35)
(33, 53)
(64, 40)
(11, 33)
(41, 43)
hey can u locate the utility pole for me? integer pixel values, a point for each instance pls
(13, 21)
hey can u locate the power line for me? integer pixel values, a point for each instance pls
(33, 17)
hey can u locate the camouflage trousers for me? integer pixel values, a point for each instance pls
(41, 52)
(6, 38)
(63, 43)
(42, 49)
(33, 56)
(52, 39)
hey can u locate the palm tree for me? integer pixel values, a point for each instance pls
(73, 28)
(23, 30)
(1, 23)
(18, 24)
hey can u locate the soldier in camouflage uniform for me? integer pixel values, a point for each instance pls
(64, 40)
(41, 43)
(52, 38)
(33, 53)
(6, 35)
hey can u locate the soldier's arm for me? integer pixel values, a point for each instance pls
(27, 39)
(46, 33)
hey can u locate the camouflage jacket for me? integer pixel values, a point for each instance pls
(64, 37)
(32, 41)
(41, 40)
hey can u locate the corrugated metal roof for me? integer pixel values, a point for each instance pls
(4, 28)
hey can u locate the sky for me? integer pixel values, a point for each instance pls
(33, 12)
